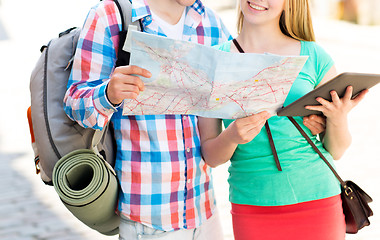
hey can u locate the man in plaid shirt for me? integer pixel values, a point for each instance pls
(166, 188)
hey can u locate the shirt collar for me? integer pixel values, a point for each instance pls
(141, 10)
(199, 7)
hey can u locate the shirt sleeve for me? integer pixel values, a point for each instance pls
(219, 31)
(226, 36)
(85, 100)
(323, 64)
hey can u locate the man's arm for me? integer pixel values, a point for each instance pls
(85, 100)
(95, 88)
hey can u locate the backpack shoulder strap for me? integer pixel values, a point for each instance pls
(125, 9)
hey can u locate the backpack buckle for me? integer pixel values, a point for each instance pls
(37, 164)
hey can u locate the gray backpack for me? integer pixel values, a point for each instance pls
(53, 133)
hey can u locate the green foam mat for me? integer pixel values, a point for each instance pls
(88, 188)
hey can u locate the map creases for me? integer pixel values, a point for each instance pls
(189, 78)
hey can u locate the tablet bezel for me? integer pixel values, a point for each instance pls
(359, 82)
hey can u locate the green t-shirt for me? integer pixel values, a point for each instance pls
(254, 178)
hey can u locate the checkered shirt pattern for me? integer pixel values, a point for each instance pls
(164, 181)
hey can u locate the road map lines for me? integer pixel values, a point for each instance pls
(235, 88)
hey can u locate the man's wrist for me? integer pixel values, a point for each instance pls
(108, 99)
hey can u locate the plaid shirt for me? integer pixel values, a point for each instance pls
(164, 182)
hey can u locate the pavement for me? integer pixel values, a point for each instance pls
(31, 210)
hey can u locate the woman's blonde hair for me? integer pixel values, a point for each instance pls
(295, 20)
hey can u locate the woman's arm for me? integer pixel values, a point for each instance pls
(218, 146)
(337, 137)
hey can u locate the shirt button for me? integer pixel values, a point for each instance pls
(184, 118)
(188, 150)
(188, 181)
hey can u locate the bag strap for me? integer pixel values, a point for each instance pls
(271, 142)
(237, 45)
(273, 147)
(316, 149)
(125, 10)
(97, 137)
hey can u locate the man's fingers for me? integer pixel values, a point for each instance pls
(120, 81)
(136, 81)
(130, 95)
(130, 75)
(135, 70)
(130, 88)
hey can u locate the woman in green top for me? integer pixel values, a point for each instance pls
(302, 201)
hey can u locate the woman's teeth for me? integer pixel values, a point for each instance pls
(257, 7)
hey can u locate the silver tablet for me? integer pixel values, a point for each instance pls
(359, 81)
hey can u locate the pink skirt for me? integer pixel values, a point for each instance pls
(315, 220)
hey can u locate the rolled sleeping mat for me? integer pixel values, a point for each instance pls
(88, 187)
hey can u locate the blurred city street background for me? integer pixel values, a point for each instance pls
(349, 31)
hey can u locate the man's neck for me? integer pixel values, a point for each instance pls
(168, 10)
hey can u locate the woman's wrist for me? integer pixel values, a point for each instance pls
(340, 121)
(229, 135)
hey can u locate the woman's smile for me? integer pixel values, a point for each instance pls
(257, 7)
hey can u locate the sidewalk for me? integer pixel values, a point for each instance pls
(30, 210)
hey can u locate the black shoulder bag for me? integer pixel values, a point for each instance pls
(355, 201)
